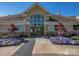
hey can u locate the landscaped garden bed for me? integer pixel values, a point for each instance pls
(63, 40)
(75, 37)
(11, 41)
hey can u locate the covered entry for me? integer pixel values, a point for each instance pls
(36, 25)
(37, 31)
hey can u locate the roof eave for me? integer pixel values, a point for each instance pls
(26, 10)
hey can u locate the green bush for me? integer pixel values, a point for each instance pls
(49, 34)
(22, 34)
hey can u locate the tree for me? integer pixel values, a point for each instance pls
(61, 31)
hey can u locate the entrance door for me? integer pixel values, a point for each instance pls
(36, 25)
(37, 31)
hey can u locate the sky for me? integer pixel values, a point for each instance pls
(65, 8)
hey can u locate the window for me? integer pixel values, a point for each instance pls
(76, 27)
(55, 27)
(37, 20)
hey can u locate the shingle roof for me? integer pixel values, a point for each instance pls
(12, 17)
(21, 17)
(18, 17)
(63, 18)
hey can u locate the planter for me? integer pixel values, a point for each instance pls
(11, 41)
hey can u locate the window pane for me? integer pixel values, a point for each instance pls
(37, 20)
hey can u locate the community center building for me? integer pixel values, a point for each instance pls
(37, 20)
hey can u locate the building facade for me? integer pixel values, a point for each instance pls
(37, 21)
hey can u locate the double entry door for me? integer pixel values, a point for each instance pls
(37, 31)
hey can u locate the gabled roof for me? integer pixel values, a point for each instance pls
(12, 17)
(35, 4)
(63, 18)
(21, 16)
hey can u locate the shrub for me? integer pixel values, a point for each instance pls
(49, 34)
(24, 35)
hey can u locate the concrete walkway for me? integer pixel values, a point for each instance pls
(44, 47)
(9, 50)
(26, 49)
(39, 47)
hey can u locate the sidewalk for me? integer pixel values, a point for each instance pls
(45, 47)
(9, 50)
(26, 49)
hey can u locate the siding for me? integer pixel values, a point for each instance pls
(21, 27)
(3, 28)
(51, 25)
(69, 27)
